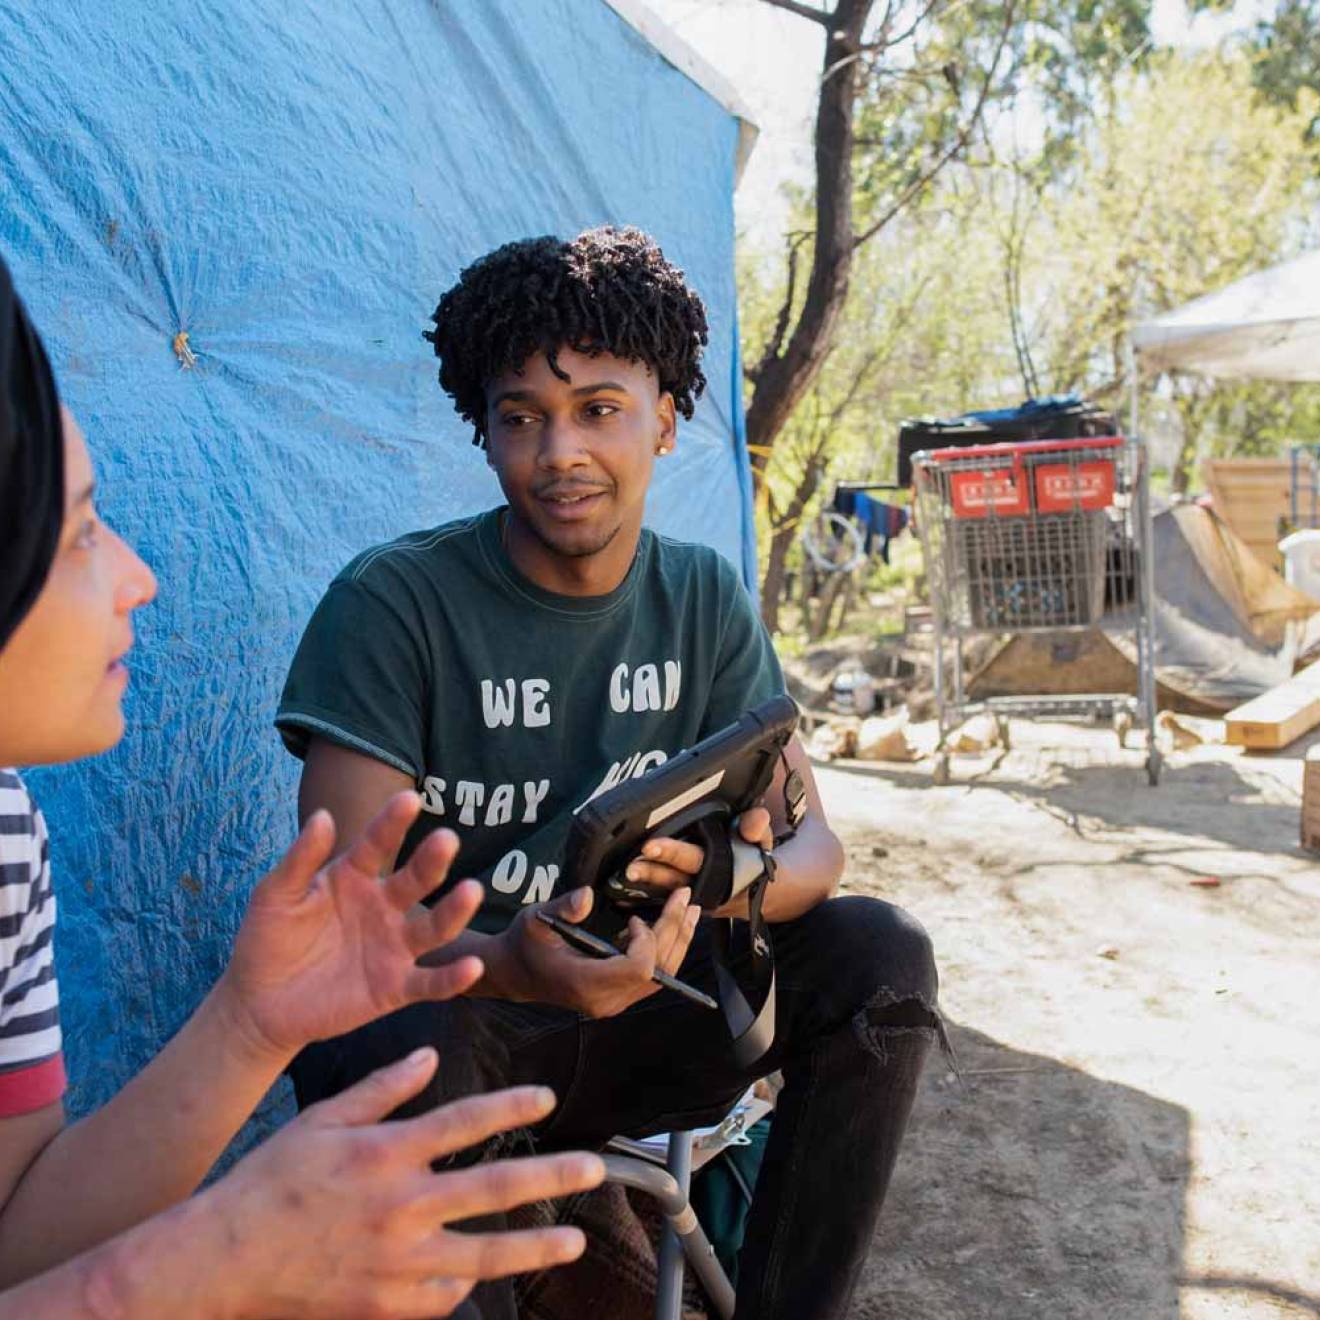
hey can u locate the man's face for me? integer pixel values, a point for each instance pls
(574, 456)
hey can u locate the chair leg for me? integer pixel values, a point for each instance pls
(669, 1293)
(648, 1177)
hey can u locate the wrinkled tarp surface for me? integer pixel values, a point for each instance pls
(293, 187)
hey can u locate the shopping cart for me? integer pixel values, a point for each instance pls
(1042, 536)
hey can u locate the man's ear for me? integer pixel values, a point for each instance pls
(666, 416)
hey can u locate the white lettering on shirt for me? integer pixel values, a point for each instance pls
(619, 701)
(470, 796)
(646, 688)
(673, 683)
(534, 793)
(639, 690)
(536, 713)
(510, 872)
(497, 703)
(499, 810)
(433, 795)
(630, 768)
(543, 884)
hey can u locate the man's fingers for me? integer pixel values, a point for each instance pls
(573, 907)
(375, 850)
(677, 854)
(505, 1184)
(447, 982)
(428, 928)
(754, 826)
(426, 871)
(454, 1254)
(310, 851)
(379, 1093)
(678, 950)
(669, 925)
(472, 1120)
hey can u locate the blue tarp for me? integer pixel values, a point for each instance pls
(293, 187)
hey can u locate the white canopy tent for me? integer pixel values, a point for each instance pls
(1264, 326)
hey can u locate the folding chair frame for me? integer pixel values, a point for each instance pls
(682, 1237)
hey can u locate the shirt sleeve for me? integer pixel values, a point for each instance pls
(747, 670)
(31, 1048)
(358, 680)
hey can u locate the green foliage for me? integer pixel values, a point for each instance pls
(1286, 59)
(1146, 178)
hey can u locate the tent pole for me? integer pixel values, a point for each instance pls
(1131, 355)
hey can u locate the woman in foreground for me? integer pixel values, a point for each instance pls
(338, 1214)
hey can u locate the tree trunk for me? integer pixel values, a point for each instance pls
(782, 378)
(781, 541)
(772, 584)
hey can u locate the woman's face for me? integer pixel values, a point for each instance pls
(62, 672)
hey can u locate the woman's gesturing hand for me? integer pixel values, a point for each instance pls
(340, 1214)
(329, 945)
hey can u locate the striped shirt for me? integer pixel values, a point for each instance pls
(31, 1060)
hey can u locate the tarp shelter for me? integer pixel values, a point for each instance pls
(1264, 326)
(291, 188)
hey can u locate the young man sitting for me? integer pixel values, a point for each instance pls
(512, 665)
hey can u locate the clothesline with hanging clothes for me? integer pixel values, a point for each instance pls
(880, 522)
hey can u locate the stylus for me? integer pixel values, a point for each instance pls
(599, 948)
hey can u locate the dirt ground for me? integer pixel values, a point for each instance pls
(1137, 1135)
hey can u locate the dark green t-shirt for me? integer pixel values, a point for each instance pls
(511, 706)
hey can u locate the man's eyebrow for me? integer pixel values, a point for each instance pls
(523, 396)
(85, 494)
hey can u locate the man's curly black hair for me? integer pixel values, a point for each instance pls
(606, 291)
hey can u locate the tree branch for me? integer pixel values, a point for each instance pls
(959, 143)
(776, 340)
(804, 11)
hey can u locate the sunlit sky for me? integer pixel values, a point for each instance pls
(773, 58)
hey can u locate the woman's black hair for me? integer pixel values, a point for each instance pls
(31, 461)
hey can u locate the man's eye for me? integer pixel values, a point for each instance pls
(86, 537)
(602, 409)
(515, 420)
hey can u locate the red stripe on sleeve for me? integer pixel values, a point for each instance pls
(26, 1089)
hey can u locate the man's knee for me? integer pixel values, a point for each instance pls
(881, 950)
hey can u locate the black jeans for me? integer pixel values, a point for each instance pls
(855, 1018)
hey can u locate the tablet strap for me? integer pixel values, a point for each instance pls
(752, 1030)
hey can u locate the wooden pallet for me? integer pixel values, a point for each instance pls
(1277, 717)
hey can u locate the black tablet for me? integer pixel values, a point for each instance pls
(723, 775)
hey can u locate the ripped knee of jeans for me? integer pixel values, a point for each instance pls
(888, 1018)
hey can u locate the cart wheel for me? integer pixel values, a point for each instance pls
(940, 775)
(1122, 727)
(1153, 763)
(1005, 741)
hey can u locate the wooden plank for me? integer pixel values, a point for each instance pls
(1277, 717)
(1252, 495)
(1311, 801)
